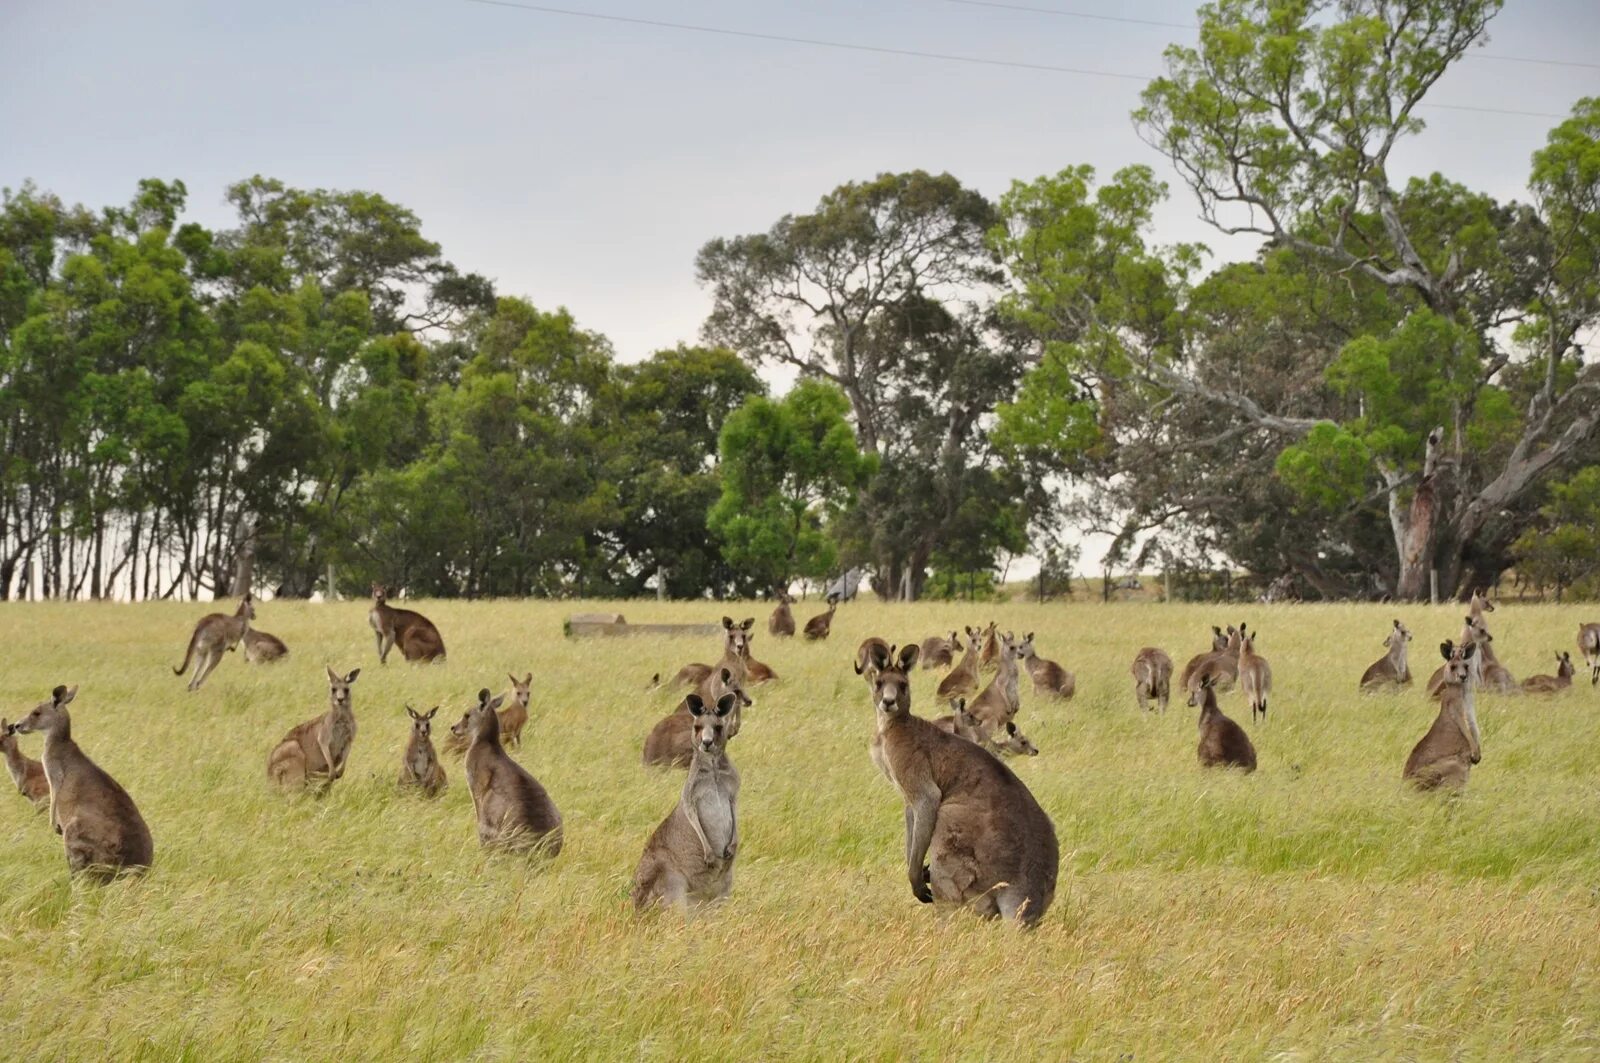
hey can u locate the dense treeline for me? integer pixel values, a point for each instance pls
(1393, 391)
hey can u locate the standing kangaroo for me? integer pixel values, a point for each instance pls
(262, 648)
(1152, 678)
(991, 647)
(1391, 671)
(974, 835)
(1446, 754)
(1222, 666)
(690, 855)
(780, 625)
(414, 633)
(1255, 675)
(1589, 646)
(1551, 684)
(735, 652)
(1223, 743)
(514, 812)
(670, 742)
(963, 678)
(1001, 699)
(819, 626)
(1479, 604)
(872, 656)
(1219, 642)
(940, 652)
(1049, 678)
(98, 822)
(214, 635)
(420, 768)
(514, 717)
(319, 749)
(26, 773)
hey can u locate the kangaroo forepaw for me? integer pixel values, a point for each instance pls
(921, 890)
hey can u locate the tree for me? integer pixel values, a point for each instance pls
(789, 468)
(1563, 550)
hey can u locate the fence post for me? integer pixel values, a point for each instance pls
(1433, 586)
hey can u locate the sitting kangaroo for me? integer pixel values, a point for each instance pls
(1152, 677)
(1008, 740)
(690, 855)
(990, 651)
(940, 652)
(1222, 666)
(262, 648)
(414, 633)
(27, 773)
(514, 811)
(963, 678)
(671, 740)
(780, 624)
(1446, 754)
(420, 768)
(514, 717)
(1001, 699)
(1391, 671)
(818, 627)
(1219, 642)
(97, 820)
(1223, 743)
(975, 835)
(755, 673)
(319, 749)
(1474, 632)
(460, 736)
(735, 653)
(1551, 684)
(1049, 678)
(214, 635)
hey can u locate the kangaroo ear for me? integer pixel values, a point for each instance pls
(749, 623)
(727, 676)
(1028, 637)
(908, 656)
(412, 713)
(725, 704)
(961, 705)
(1446, 648)
(1215, 629)
(483, 696)
(727, 622)
(527, 680)
(1472, 647)
(497, 702)
(351, 678)
(333, 677)
(432, 713)
(696, 706)
(1397, 623)
(1011, 728)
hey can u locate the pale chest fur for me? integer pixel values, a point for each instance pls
(339, 731)
(711, 793)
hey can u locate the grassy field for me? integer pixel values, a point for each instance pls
(1313, 910)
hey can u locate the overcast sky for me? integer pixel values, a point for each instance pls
(582, 163)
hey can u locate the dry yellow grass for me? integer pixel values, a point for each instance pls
(1313, 910)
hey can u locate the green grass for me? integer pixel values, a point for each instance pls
(1312, 910)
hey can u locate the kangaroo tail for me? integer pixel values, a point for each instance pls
(188, 655)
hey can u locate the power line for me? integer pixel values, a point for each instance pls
(1194, 26)
(814, 42)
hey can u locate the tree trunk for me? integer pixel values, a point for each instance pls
(1416, 547)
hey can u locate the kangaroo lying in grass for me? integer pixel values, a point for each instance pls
(1007, 740)
(690, 855)
(318, 750)
(1152, 677)
(514, 811)
(1552, 684)
(755, 673)
(671, 741)
(213, 636)
(975, 835)
(420, 769)
(1223, 743)
(98, 822)
(414, 633)
(1445, 755)
(940, 652)
(262, 648)
(26, 773)
(1391, 671)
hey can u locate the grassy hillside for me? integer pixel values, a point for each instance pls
(1314, 909)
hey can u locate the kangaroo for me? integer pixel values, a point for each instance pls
(1391, 671)
(963, 724)
(963, 678)
(1589, 646)
(1446, 754)
(940, 652)
(414, 633)
(755, 673)
(1473, 633)
(818, 627)
(262, 648)
(670, 742)
(26, 773)
(1152, 678)
(1219, 642)
(735, 647)
(1222, 666)
(991, 648)
(214, 634)
(975, 836)
(514, 717)
(1551, 684)
(514, 811)
(872, 656)
(780, 625)
(1494, 676)
(420, 768)
(319, 749)
(99, 824)
(1255, 675)
(1049, 678)
(1479, 604)
(1001, 699)
(1222, 742)
(460, 736)
(690, 855)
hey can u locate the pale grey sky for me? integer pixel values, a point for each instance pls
(582, 163)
